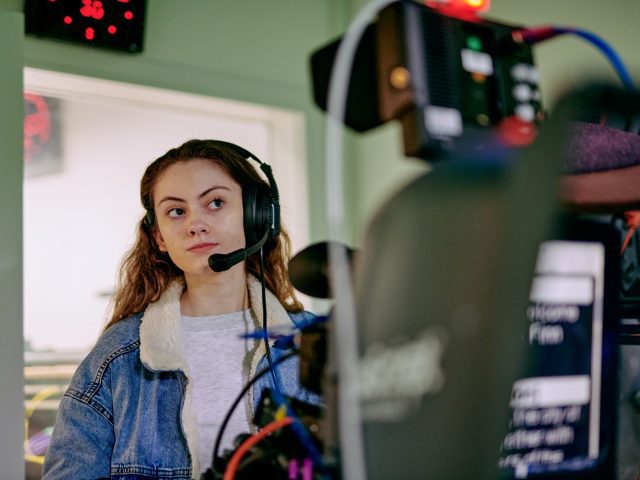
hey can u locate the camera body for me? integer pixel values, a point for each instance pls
(441, 76)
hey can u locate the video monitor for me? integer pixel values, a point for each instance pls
(563, 409)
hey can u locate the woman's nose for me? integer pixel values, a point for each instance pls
(198, 227)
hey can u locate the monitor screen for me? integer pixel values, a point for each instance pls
(562, 408)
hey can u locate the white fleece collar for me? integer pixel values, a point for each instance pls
(161, 345)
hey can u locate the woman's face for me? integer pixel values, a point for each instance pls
(198, 207)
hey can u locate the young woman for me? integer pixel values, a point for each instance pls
(149, 399)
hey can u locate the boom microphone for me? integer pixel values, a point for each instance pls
(220, 262)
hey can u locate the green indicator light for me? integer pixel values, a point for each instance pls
(474, 43)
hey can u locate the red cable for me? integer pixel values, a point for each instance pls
(230, 471)
(633, 221)
(535, 34)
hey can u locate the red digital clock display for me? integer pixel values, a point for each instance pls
(115, 24)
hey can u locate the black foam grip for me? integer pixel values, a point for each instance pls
(220, 262)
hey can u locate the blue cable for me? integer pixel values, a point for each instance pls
(539, 34)
(300, 430)
(608, 51)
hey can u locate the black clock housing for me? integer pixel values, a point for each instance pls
(112, 24)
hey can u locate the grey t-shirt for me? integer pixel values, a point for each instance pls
(216, 357)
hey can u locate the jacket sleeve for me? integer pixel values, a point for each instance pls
(82, 441)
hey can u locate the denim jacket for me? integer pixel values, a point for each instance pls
(127, 413)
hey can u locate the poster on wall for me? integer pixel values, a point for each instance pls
(42, 125)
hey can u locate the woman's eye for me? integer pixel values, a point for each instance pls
(175, 212)
(216, 203)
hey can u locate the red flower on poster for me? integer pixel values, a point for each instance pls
(37, 124)
(41, 146)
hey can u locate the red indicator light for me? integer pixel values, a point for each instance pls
(67, 20)
(112, 29)
(515, 132)
(477, 4)
(128, 15)
(460, 6)
(89, 33)
(123, 1)
(92, 8)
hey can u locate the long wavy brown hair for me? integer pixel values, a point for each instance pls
(146, 272)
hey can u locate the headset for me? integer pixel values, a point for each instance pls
(261, 206)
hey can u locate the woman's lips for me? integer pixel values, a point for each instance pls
(203, 247)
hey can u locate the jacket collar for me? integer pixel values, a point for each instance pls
(161, 346)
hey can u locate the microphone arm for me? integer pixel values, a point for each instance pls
(220, 262)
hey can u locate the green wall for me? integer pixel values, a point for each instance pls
(11, 105)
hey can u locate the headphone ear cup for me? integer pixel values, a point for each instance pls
(249, 207)
(258, 213)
